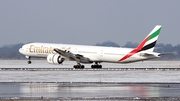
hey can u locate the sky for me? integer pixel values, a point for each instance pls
(88, 22)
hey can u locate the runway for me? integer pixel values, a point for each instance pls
(40, 80)
(85, 69)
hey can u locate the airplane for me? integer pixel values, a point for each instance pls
(84, 54)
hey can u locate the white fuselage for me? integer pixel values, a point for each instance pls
(94, 53)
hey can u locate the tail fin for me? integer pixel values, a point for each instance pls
(149, 42)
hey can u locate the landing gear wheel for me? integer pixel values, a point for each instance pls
(78, 66)
(82, 66)
(96, 66)
(29, 62)
(100, 66)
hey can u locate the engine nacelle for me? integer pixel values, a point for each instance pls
(55, 59)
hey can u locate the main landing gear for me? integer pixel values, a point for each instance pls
(78, 66)
(96, 65)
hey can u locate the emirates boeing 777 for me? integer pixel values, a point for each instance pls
(83, 54)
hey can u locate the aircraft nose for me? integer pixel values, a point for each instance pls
(21, 50)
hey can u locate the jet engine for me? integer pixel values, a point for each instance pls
(55, 59)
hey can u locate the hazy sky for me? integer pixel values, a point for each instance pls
(88, 21)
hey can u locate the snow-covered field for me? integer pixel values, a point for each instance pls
(90, 76)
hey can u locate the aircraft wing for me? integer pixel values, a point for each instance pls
(77, 57)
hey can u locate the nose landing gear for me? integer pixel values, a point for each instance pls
(29, 59)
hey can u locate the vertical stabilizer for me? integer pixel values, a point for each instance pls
(149, 42)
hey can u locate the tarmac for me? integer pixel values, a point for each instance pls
(151, 80)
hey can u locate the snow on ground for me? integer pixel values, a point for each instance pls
(90, 76)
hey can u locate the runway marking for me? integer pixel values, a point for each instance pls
(87, 69)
